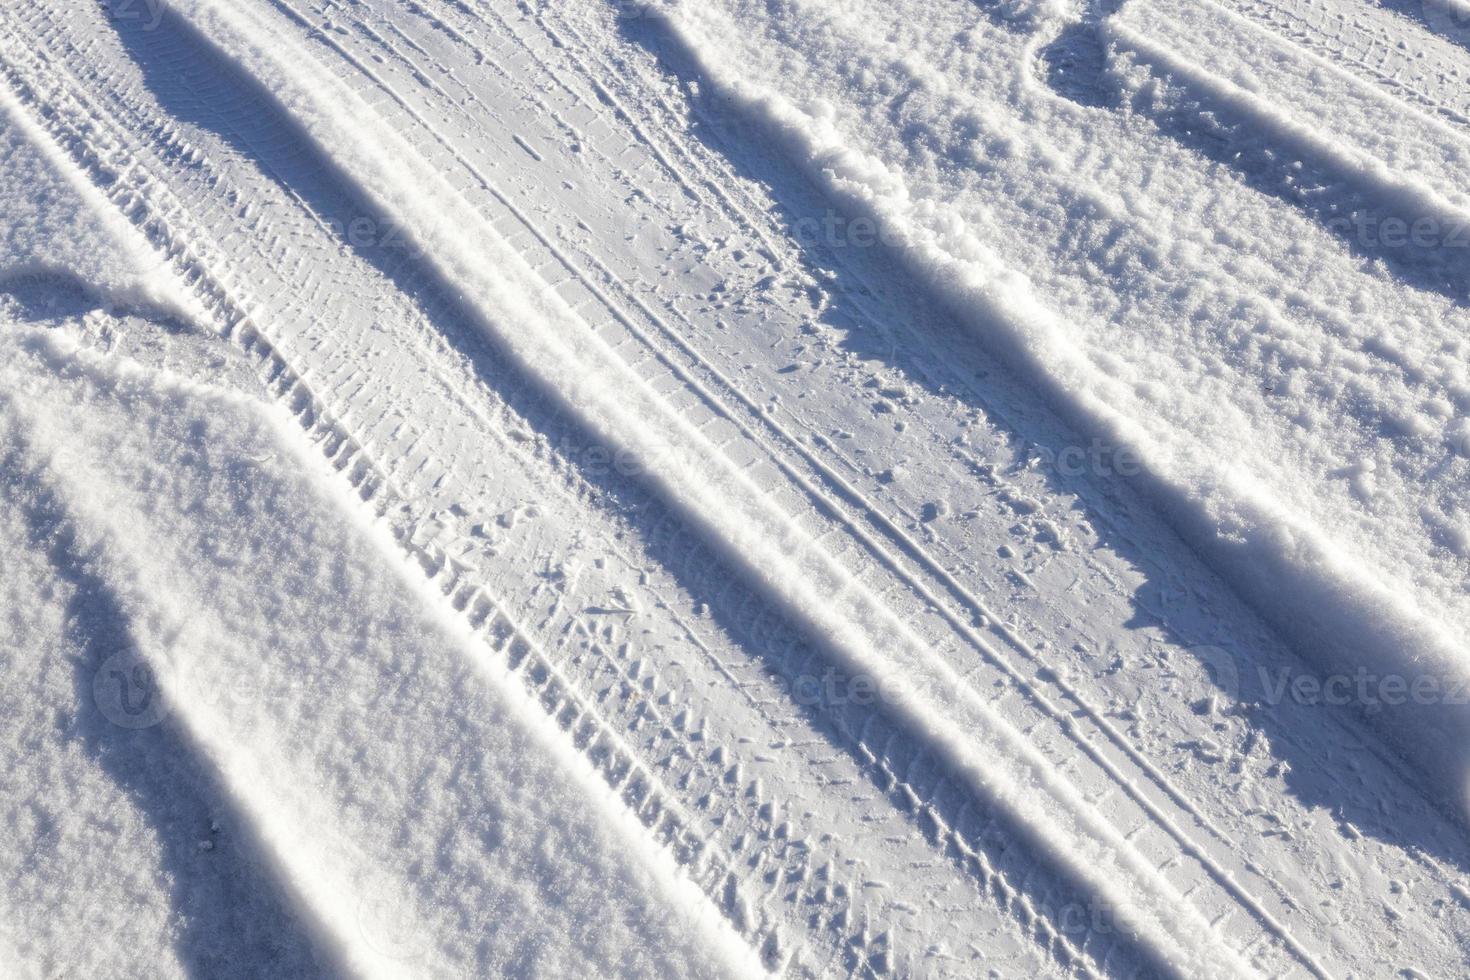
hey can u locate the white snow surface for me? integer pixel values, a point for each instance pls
(863, 636)
(592, 488)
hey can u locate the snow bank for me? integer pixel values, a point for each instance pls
(331, 777)
(1351, 603)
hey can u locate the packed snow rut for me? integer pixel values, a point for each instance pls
(819, 594)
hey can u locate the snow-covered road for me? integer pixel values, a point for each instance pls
(829, 487)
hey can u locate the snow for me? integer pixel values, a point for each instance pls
(820, 488)
(861, 635)
(301, 801)
(1416, 161)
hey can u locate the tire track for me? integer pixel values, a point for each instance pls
(141, 200)
(1151, 810)
(982, 716)
(399, 99)
(1429, 73)
(1178, 801)
(590, 732)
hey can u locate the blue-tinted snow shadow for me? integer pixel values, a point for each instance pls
(40, 296)
(931, 348)
(231, 915)
(1074, 64)
(44, 296)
